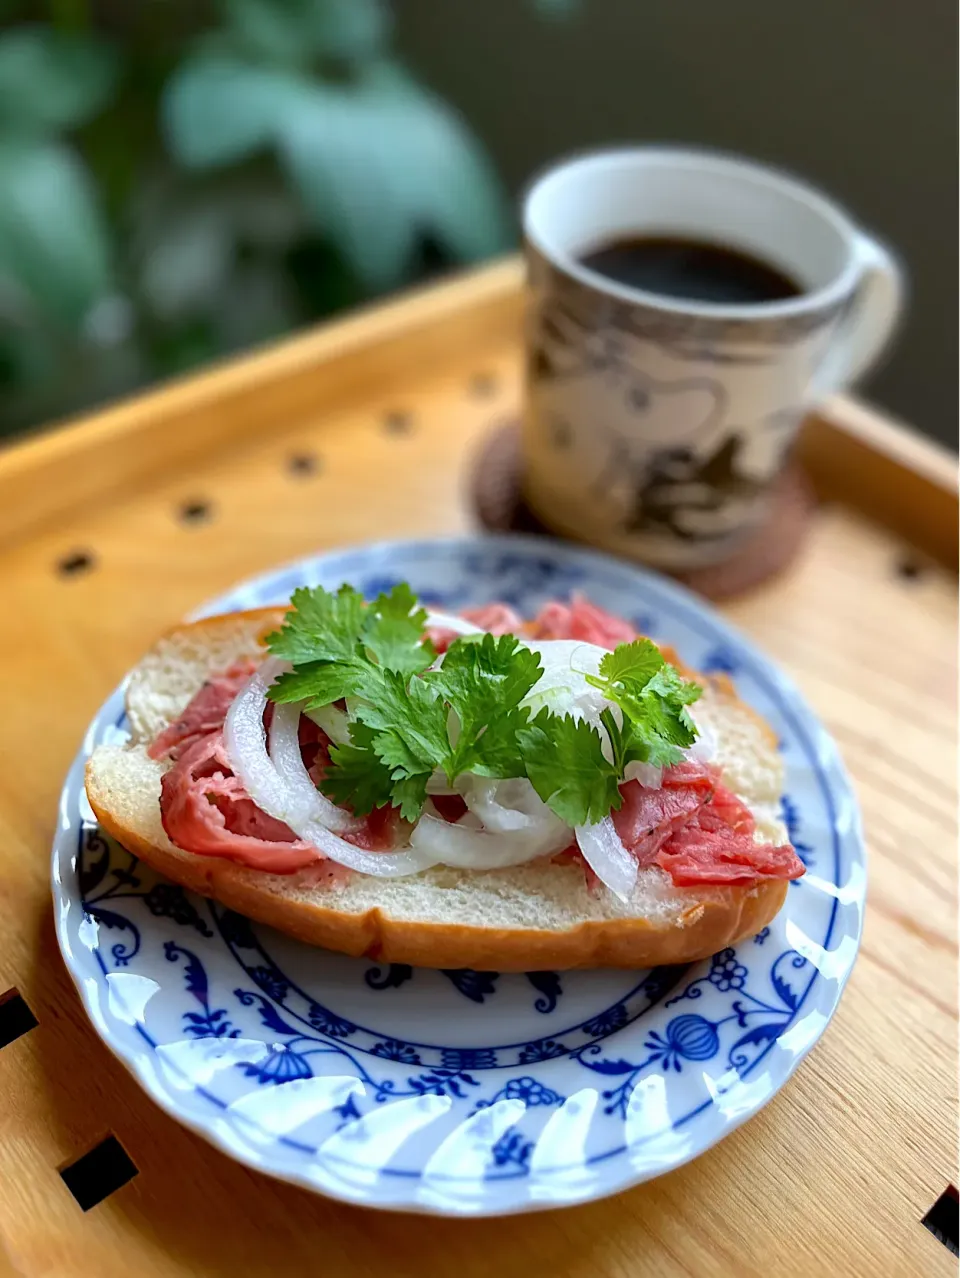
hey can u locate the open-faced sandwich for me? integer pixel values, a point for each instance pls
(451, 791)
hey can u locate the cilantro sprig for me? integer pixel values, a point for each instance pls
(341, 647)
(657, 726)
(410, 720)
(567, 768)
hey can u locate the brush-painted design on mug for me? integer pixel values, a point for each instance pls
(657, 446)
(669, 451)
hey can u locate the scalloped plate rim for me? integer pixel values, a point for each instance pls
(833, 775)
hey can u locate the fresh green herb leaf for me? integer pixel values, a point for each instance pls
(356, 778)
(393, 631)
(484, 681)
(320, 626)
(410, 794)
(340, 647)
(499, 671)
(565, 763)
(319, 683)
(653, 698)
(407, 729)
(412, 714)
(629, 663)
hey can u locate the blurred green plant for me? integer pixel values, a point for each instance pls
(55, 243)
(179, 180)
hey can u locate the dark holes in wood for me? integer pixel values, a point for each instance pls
(943, 1219)
(16, 1019)
(398, 422)
(99, 1173)
(910, 569)
(484, 385)
(304, 464)
(76, 563)
(195, 512)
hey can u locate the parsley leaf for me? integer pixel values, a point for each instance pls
(408, 727)
(411, 716)
(393, 631)
(356, 778)
(565, 764)
(630, 663)
(484, 681)
(653, 697)
(319, 626)
(319, 683)
(410, 794)
(467, 716)
(329, 639)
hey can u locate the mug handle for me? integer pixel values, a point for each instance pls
(871, 319)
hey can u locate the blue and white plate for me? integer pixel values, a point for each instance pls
(461, 1092)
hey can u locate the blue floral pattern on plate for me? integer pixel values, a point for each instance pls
(462, 1092)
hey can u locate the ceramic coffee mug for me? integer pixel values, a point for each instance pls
(653, 427)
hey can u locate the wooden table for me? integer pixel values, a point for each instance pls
(115, 525)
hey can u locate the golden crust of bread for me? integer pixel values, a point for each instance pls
(708, 925)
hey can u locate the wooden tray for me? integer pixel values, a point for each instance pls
(112, 527)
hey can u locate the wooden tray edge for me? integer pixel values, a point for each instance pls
(91, 457)
(886, 470)
(852, 452)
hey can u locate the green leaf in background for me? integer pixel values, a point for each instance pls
(217, 109)
(338, 152)
(187, 235)
(376, 162)
(382, 161)
(260, 164)
(294, 33)
(52, 80)
(556, 8)
(188, 262)
(53, 243)
(452, 188)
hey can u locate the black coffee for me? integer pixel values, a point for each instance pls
(695, 270)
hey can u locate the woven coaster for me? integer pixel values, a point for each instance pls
(769, 549)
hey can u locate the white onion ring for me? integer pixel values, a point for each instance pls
(245, 742)
(448, 621)
(610, 861)
(563, 687)
(648, 774)
(335, 723)
(469, 849)
(438, 784)
(508, 806)
(284, 750)
(704, 749)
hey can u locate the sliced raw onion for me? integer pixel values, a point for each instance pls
(448, 621)
(470, 849)
(381, 865)
(438, 784)
(648, 774)
(563, 688)
(285, 755)
(335, 723)
(704, 749)
(610, 861)
(245, 741)
(508, 806)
